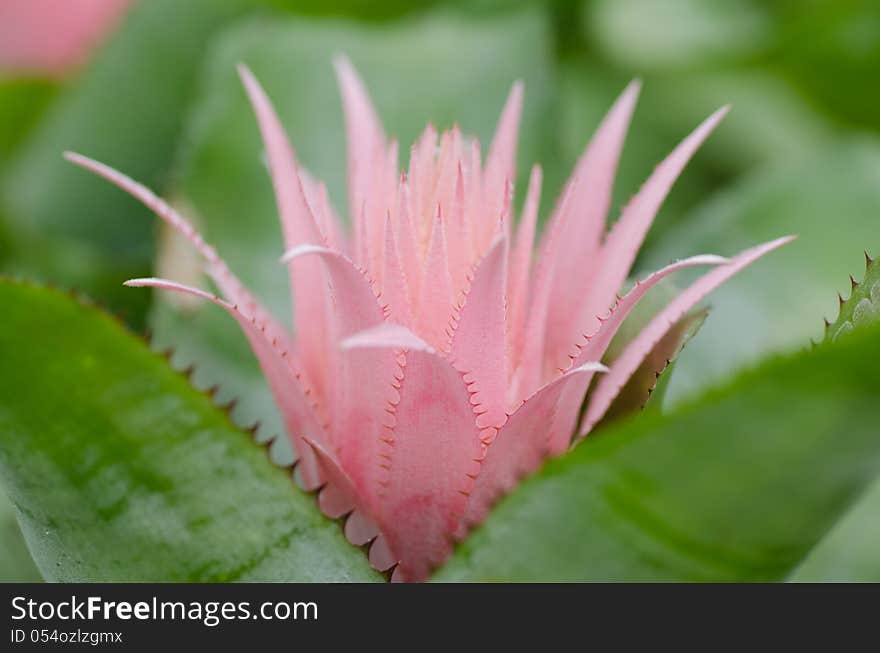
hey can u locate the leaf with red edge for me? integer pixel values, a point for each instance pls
(647, 384)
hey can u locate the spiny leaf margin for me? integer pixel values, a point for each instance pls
(121, 471)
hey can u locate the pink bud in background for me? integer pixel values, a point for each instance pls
(438, 355)
(53, 37)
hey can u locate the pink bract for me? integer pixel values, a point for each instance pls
(52, 37)
(434, 361)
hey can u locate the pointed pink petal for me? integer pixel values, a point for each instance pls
(518, 281)
(501, 161)
(435, 300)
(582, 224)
(505, 215)
(364, 133)
(233, 289)
(354, 299)
(361, 237)
(457, 234)
(594, 176)
(395, 289)
(299, 227)
(592, 346)
(381, 556)
(339, 497)
(479, 343)
(502, 152)
(360, 529)
(530, 372)
(626, 236)
(300, 415)
(635, 352)
(148, 199)
(167, 284)
(408, 246)
(594, 343)
(421, 181)
(375, 209)
(296, 217)
(229, 284)
(522, 444)
(434, 457)
(448, 162)
(365, 381)
(331, 227)
(474, 208)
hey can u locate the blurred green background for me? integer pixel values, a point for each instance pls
(160, 100)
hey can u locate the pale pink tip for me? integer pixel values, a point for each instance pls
(303, 250)
(707, 259)
(83, 161)
(593, 366)
(387, 335)
(165, 284)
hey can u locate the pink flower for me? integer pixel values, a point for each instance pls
(433, 363)
(53, 36)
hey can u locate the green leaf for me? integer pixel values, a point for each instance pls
(849, 552)
(120, 470)
(439, 67)
(16, 564)
(831, 201)
(863, 305)
(22, 102)
(739, 485)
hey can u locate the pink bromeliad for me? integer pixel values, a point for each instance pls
(434, 363)
(51, 38)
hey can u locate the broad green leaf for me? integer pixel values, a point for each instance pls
(832, 202)
(120, 470)
(16, 564)
(737, 485)
(439, 67)
(862, 307)
(849, 551)
(847, 554)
